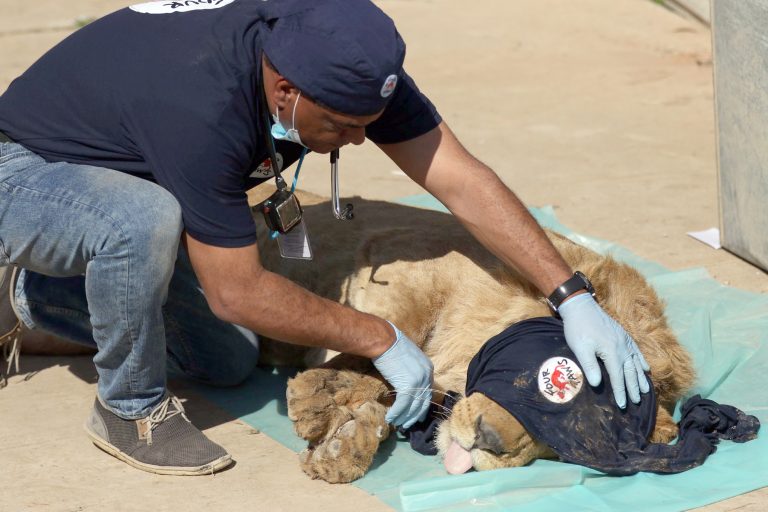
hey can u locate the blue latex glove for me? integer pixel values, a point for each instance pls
(409, 371)
(591, 333)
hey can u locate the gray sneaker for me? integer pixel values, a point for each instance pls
(10, 326)
(165, 442)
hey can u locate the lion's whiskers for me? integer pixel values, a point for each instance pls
(443, 409)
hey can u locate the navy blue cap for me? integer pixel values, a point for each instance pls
(345, 54)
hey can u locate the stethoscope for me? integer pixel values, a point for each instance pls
(346, 213)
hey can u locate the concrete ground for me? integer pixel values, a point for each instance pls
(602, 108)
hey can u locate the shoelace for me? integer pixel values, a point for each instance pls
(11, 341)
(162, 411)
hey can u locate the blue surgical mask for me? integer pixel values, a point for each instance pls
(280, 133)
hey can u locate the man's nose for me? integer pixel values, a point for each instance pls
(356, 135)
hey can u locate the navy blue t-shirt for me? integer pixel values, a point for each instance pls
(173, 98)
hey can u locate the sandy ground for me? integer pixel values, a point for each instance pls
(602, 108)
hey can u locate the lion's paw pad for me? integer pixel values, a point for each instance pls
(346, 454)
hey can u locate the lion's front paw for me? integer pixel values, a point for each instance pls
(311, 404)
(320, 400)
(347, 452)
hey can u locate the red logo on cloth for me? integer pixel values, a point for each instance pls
(560, 379)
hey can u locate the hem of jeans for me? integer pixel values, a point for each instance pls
(21, 313)
(23, 306)
(131, 417)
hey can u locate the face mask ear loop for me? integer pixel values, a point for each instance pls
(293, 117)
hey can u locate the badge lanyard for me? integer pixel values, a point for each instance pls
(275, 234)
(270, 143)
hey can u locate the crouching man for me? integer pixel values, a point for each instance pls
(125, 156)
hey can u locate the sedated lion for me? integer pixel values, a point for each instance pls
(423, 271)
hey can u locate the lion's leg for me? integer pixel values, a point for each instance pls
(666, 428)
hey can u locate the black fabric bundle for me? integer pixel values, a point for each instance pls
(529, 370)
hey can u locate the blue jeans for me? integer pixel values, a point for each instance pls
(102, 266)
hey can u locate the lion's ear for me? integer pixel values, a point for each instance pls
(487, 438)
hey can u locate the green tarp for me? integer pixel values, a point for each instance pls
(726, 331)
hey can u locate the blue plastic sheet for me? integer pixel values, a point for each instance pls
(725, 330)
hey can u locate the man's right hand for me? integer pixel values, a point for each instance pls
(409, 372)
(591, 333)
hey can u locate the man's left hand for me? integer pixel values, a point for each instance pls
(591, 333)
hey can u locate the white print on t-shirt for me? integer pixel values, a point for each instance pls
(264, 170)
(166, 6)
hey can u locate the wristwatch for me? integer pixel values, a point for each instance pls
(577, 282)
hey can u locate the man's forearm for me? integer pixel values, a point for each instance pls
(478, 198)
(276, 307)
(499, 220)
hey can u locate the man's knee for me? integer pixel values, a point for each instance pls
(160, 213)
(150, 219)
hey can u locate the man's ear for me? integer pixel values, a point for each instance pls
(276, 87)
(282, 92)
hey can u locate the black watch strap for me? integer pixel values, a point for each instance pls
(577, 282)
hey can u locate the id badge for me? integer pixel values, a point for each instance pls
(295, 243)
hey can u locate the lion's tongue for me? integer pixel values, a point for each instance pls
(457, 460)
